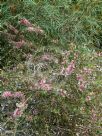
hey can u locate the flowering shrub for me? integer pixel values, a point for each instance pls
(42, 95)
(52, 86)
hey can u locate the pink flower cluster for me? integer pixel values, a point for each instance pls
(45, 86)
(18, 94)
(8, 94)
(79, 77)
(69, 70)
(87, 70)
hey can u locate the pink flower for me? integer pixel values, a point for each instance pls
(7, 94)
(25, 22)
(81, 82)
(69, 70)
(17, 113)
(44, 85)
(31, 29)
(82, 86)
(88, 98)
(18, 94)
(37, 30)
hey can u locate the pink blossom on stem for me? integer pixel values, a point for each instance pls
(88, 98)
(7, 94)
(79, 77)
(69, 70)
(44, 85)
(25, 22)
(37, 30)
(81, 82)
(82, 86)
(17, 113)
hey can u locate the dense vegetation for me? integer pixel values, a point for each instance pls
(50, 67)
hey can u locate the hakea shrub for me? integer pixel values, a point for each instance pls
(53, 92)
